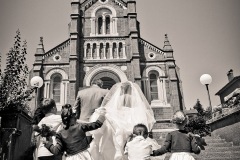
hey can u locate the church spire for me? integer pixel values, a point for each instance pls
(167, 46)
(40, 47)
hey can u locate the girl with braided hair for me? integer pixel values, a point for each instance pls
(72, 138)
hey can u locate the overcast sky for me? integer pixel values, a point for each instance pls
(204, 35)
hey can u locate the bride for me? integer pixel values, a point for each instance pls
(125, 107)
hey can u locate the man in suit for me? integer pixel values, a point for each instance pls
(88, 100)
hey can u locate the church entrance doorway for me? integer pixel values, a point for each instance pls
(107, 82)
(108, 78)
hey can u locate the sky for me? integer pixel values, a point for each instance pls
(204, 35)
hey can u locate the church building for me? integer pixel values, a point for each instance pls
(105, 43)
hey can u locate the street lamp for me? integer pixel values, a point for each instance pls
(206, 79)
(36, 82)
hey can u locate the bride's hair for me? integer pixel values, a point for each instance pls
(126, 88)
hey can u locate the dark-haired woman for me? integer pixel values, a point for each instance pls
(72, 138)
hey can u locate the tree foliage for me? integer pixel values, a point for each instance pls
(13, 85)
(197, 124)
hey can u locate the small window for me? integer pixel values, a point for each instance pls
(57, 58)
(151, 55)
(153, 86)
(103, 1)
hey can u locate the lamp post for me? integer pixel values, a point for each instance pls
(206, 79)
(37, 83)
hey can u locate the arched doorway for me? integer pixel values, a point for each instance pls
(108, 78)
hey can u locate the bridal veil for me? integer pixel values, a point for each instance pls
(125, 106)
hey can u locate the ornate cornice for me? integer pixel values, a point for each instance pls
(103, 39)
(88, 3)
(120, 3)
(98, 68)
(56, 49)
(151, 46)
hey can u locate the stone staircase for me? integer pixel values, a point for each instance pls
(217, 149)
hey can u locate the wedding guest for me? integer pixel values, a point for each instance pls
(38, 114)
(48, 106)
(87, 101)
(72, 138)
(180, 143)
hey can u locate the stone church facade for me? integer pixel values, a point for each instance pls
(104, 42)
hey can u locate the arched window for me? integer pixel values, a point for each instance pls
(94, 51)
(107, 50)
(120, 50)
(153, 86)
(102, 56)
(88, 51)
(100, 23)
(114, 50)
(104, 21)
(107, 25)
(56, 87)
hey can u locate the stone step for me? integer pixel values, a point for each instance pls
(225, 144)
(217, 158)
(211, 157)
(216, 149)
(221, 149)
(226, 154)
(211, 138)
(209, 145)
(163, 126)
(214, 140)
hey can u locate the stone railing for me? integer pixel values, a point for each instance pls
(231, 105)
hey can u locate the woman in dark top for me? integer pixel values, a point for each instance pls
(72, 139)
(179, 142)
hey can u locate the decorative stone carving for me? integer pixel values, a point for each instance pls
(98, 68)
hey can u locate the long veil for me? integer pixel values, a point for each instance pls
(125, 107)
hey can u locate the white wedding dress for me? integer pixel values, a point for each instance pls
(125, 107)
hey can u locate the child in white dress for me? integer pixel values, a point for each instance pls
(138, 147)
(180, 143)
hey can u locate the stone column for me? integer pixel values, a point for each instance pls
(124, 51)
(160, 90)
(111, 50)
(98, 52)
(146, 89)
(111, 25)
(85, 51)
(91, 51)
(93, 26)
(104, 51)
(46, 89)
(104, 25)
